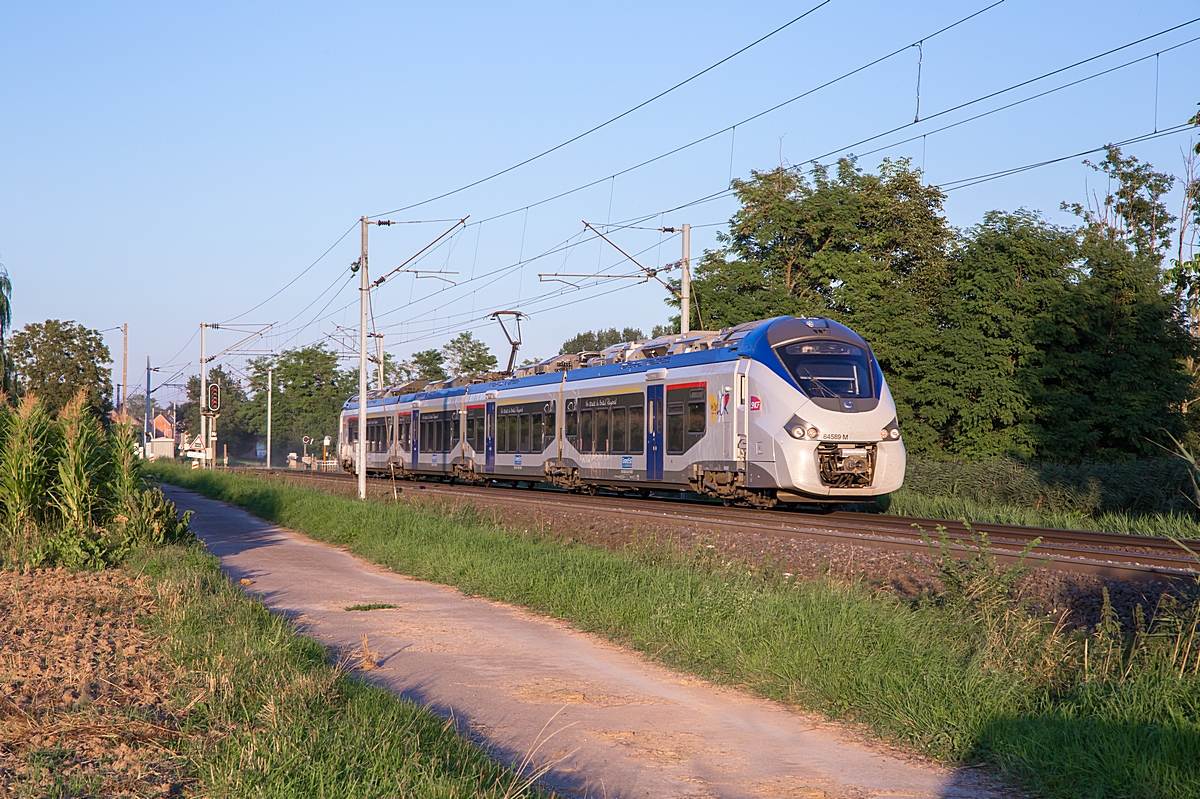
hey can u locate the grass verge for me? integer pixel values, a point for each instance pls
(959, 681)
(276, 719)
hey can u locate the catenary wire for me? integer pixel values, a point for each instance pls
(608, 122)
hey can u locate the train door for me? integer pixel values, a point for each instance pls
(489, 438)
(416, 438)
(654, 432)
(741, 428)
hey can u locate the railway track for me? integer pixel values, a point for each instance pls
(1114, 555)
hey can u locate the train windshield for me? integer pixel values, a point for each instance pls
(829, 368)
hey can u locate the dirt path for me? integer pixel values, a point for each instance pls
(608, 723)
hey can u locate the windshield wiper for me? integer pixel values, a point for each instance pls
(817, 384)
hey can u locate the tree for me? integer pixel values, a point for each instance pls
(309, 392)
(1006, 275)
(56, 359)
(596, 340)
(1135, 212)
(424, 365)
(1112, 379)
(868, 250)
(467, 356)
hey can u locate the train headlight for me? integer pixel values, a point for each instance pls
(799, 429)
(891, 432)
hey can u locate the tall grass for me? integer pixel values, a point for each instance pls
(1151, 496)
(71, 493)
(967, 675)
(270, 716)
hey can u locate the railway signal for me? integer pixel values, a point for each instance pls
(214, 397)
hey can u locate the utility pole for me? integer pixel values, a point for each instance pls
(124, 369)
(364, 288)
(147, 436)
(203, 398)
(270, 390)
(685, 283)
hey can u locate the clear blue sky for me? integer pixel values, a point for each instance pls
(167, 164)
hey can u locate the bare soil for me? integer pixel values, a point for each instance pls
(84, 691)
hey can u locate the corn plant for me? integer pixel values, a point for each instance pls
(27, 460)
(82, 467)
(126, 476)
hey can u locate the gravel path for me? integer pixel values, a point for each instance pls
(602, 721)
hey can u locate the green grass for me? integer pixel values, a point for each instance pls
(273, 718)
(1143, 497)
(372, 606)
(939, 679)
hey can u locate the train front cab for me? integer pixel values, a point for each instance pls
(837, 438)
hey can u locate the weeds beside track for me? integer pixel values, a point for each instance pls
(968, 675)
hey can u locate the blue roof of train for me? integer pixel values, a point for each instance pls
(754, 345)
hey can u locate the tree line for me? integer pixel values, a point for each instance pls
(1014, 337)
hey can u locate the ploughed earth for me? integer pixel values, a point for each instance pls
(84, 692)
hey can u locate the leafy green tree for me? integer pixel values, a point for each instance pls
(1111, 379)
(1006, 276)
(309, 391)
(424, 365)
(596, 340)
(466, 356)
(1134, 213)
(56, 359)
(868, 250)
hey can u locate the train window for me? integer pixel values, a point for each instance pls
(502, 436)
(675, 445)
(352, 431)
(480, 430)
(391, 431)
(695, 417)
(535, 443)
(455, 428)
(471, 430)
(602, 417)
(548, 431)
(524, 432)
(514, 434)
(619, 422)
(637, 429)
(572, 426)
(585, 431)
(831, 369)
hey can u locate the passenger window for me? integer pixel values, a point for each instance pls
(637, 429)
(618, 429)
(695, 418)
(454, 432)
(675, 428)
(585, 431)
(524, 432)
(535, 443)
(514, 434)
(602, 417)
(572, 425)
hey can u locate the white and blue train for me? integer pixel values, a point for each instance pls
(780, 410)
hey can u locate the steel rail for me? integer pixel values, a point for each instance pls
(1114, 555)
